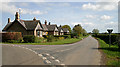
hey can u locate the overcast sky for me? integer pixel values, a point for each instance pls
(99, 15)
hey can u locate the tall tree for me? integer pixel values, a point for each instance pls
(77, 29)
(95, 31)
(67, 26)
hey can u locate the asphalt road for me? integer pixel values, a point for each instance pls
(80, 53)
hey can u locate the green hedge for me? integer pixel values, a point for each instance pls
(65, 36)
(29, 38)
(105, 37)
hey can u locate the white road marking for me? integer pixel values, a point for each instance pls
(48, 62)
(40, 55)
(57, 61)
(47, 54)
(52, 57)
(44, 58)
(62, 64)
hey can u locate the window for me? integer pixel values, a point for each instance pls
(38, 33)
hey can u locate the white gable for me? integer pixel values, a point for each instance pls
(38, 26)
(56, 29)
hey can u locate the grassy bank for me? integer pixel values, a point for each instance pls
(111, 53)
(58, 42)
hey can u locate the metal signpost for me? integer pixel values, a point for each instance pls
(110, 31)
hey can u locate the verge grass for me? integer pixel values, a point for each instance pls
(58, 42)
(112, 53)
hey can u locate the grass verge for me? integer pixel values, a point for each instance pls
(59, 42)
(112, 53)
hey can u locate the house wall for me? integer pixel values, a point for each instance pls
(16, 27)
(35, 31)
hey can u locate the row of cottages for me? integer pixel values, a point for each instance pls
(33, 27)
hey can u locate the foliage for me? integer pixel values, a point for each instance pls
(65, 36)
(67, 26)
(11, 36)
(105, 37)
(29, 38)
(95, 31)
(112, 53)
(40, 40)
(50, 38)
(74, 35)
(77, 29)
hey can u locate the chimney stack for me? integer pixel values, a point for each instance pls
(45, 22)
(17, 17)
(34, 19)
(8, 20)
(60, 26)
(49, 23)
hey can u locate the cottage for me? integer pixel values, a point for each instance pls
(66, 31)
(33, 27)
(26, 27)
(60, 29)
(52, 29)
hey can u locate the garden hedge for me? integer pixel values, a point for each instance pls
(105, 37)
(29, 38)
(7, 36)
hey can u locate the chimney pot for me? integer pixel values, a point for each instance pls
(45, 22)
(34, 19)
(17, 16)
(49, 23)
(8, 20)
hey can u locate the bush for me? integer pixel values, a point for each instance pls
(45, 36)
(29, 38)
(65, 36)
(74, 35)
(11, 36)
(50, 38)
(105, 37)
(40, 40)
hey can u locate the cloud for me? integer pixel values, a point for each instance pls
(99, 6)
(105, 17)
(91, 16)
(10, 8)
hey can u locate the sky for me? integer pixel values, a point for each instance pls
(91, 15)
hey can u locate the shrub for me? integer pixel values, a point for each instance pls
(40, 40)
(50, 38)
(29, 38)
(105, 37)
(45, 36)
(61, 38)
(11, 36)
(74, 35)
(65, 36)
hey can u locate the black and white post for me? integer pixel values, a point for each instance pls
(109, 31)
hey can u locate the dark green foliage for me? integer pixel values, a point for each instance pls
(45, 36)
(65, 36)
(67, 26)
(50, 38)
(29, 38)
(74, 35)
(105, 37)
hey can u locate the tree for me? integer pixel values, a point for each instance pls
(77, 29)
(84, 32)
(67, 26)
(95, 31)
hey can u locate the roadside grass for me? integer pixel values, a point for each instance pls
(111, 53)
(58, 42)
